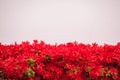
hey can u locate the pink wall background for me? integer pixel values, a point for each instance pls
(60, 21)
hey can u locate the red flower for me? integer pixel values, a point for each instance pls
(77, 61)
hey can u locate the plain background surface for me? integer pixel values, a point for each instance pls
(60, 21)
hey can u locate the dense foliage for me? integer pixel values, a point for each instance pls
(70, 61)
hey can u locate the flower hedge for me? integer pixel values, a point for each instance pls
(70, 61)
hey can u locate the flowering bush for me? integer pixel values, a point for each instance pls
(70, 61)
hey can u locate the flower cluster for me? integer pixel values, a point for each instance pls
(70, 61)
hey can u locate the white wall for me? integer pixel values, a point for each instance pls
(60, 21)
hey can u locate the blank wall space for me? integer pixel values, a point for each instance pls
(60, 21)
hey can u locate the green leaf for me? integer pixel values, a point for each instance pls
(89, 69)
(74, 70)
(31, 62)
(48, 58)
(30, 73)
(102, 72)
(65, 67)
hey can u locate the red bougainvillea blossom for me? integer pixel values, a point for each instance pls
(70, 61)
